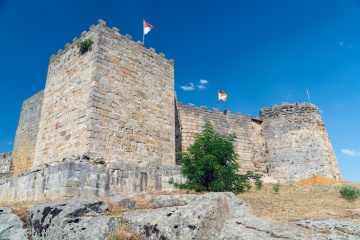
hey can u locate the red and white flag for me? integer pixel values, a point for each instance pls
(147, 27)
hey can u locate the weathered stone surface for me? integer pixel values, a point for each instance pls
(201, 218)
(126, 202)
(26, 134)
(350, 230)
(73, 219)
(233, 220)
(298, 144)
(5, 164)
(77, 177)
(187, 216)
(11, 227)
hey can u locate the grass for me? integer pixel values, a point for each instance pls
(296, 202)
(123, 233)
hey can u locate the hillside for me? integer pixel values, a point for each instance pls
(301, 201)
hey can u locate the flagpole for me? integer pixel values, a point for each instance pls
(307, 91)
(143, 33)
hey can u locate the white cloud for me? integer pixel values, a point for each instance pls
(345, 44)
(190, 87)
(202, 84)
(349, 152)
(9, 143)
(321, 111)
(202, 81)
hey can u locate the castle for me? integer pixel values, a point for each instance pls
(117, 102)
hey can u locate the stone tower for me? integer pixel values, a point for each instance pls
(298, 143)
(115, 101)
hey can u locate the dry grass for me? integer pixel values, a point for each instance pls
(142, 201)
(123, 233)
(310, 198)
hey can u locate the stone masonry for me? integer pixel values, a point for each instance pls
(287, 142)
(249, 144)
(117, 102)
(298, 144)
(76, 177)
(5, 164)
(26, 133)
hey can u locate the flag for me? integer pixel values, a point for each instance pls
(147, 27)
(222, 96)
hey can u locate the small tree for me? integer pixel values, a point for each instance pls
(209, 164)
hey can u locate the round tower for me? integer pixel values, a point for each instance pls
(297, 143)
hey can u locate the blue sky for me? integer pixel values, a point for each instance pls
(259, 52)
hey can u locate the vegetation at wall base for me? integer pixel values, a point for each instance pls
(258, 182)
(85, 46)
(349, 193)
(209, 164)
(276, 187)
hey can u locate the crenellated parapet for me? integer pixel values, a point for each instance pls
(114, 32)
(203, 109)
(286, 109)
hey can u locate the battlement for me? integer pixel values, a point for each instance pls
(115, 32)
(204, 109)
(286, 109)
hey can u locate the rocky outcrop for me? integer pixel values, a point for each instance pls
(185, 216)
(73, 219)
(11, 227)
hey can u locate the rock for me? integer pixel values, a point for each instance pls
(11, 227)
(126, 202)
(350, 229)
(224, 216)
(201, 218)
(209, 216)
(72, 219)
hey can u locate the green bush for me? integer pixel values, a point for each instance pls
(349, 193)
(276, 187)
(258, 182)
(85, 45)
(209, 164)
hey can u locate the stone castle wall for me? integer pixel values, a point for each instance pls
(298, 143)
(115, 101)
(26, 134)
(132, 101)
(64, 116)
(5, 164)
(249, 144)
(73, 179)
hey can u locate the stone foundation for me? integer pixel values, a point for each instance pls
(80, 178)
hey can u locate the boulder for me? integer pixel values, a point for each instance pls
(196, 217)
(72, 219)
(11, 227)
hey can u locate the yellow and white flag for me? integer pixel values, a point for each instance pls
(222, 96)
